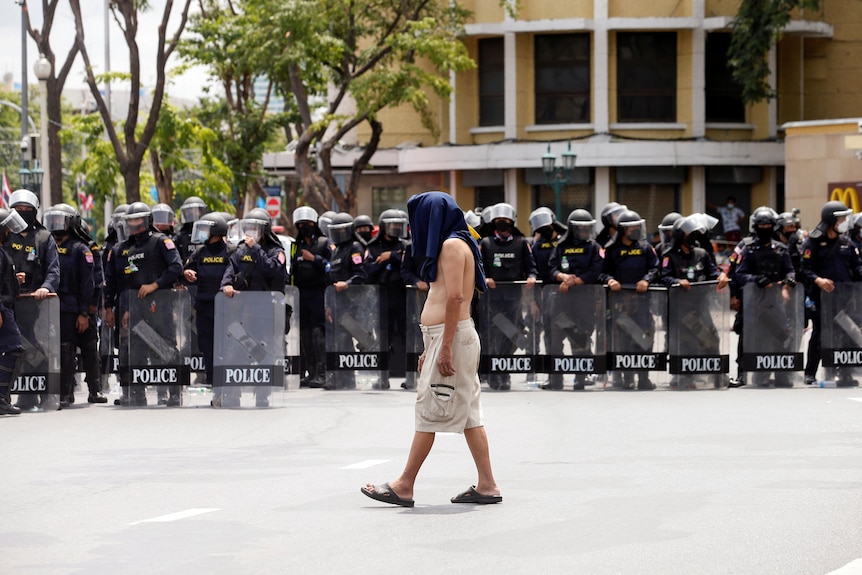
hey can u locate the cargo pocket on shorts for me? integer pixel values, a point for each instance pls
(439, 401)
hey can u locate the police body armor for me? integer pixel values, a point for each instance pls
(39, 365)
(248, 349)
(841, 334)
(699, 357)
(356, 342)
(773, 334)
(504, 262)
(507, 334)
(26, 255)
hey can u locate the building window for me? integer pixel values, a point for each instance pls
(562, 64)
(651, 201)
(572, 197)
(646, 76)
(492, 102)
(383, 199)
(723, 93)
(487, 196)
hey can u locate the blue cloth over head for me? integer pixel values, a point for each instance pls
(434, 218)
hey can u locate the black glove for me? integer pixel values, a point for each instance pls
(762, 281)
(790, 282)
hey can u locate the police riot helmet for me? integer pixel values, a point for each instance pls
(503, 211)
(256, 223)
(24, 198)
(581, 225)
(61, 218)
(210, 225)
(324, 220)
(857, 222)
(631, 225)
(473, 220)
(787, 219)
(665, 228)
(12, 221)
(138, 218)
(764, 216)
(611, 213)
(362, 220)
(117, 225)
(406, 218)
(341, 228)
(304, 214)
(192, 210)
(392, 223)
(363, 227)
(163, 215)
(540, 218)
(831, 211)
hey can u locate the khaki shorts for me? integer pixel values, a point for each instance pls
(449, 404)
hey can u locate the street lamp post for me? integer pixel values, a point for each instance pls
(42, 69)
(557, 178)
(36, 175)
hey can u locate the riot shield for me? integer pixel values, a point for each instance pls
(698, 317)
(506, 321)
(573, 342)
(291, 338)
(248, 349)
(841, 334)
(38, 370)
(772, 335)
(356, 342)
(154, 342)
(109, 357)
(415, 302)
(637, 343)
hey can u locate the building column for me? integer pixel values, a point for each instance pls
(698, 189)
(510, 187)
(601, 83)
(698, 73)
(602, 191)
(453, 112)
(510, 66)
(773, 84)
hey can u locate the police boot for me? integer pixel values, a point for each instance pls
(554, 382)
(175, 399)
(409, 380)
(67, 375)
(580, 382)
(6, 407)
(162, 394)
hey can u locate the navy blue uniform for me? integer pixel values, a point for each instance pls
(309, 277)
(836, 259)
(256, 268)
(347, 265)
(10, 337)
(393, 298)
(77, 284)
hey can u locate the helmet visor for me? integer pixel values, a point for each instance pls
(163, 218)
(253, 228)
(56, 221)
(395, 227)
(634, 231)
(192, 213)
(14, 222)
(136, 223)
(340, 233)
(201, 231)
(582, 230)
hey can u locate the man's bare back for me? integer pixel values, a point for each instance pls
(456, 275)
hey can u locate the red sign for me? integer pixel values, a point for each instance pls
(273, 206)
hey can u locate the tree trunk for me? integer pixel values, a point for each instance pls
(55, 159)
(132, 177)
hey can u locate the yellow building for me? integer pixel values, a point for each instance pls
(639, 90)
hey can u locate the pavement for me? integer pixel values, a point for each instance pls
(669, 482)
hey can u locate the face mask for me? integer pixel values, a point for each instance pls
(634, 235)
(58, 234)
(502, 226)
(306, 231)
(843, 227)
(764, 234)
(29, 217)
(365, 236)
(546, 233)
(731, 206)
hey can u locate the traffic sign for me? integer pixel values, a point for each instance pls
(273, 206)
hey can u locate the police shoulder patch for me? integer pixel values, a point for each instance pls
(88, 256)
(806, 254)
(357, 258)
(281, 258)
(169, 243)
(665, 262)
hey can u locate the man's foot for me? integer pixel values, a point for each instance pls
(385, 494)
(7, 408)
(553, 386)
(173, 401)
(810, 379)
(646, 385)
(473, 496)
(96, 398)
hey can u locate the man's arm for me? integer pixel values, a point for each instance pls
(452, 263)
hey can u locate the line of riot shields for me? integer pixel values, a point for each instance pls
(587, 337)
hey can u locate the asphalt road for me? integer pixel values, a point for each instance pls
(734, 481)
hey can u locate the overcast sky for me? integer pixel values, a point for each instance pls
(188, 86)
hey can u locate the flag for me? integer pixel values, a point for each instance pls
(88, 203)
(7, 192)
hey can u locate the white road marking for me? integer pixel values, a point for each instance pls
(855, 398)
(852, 568)
(177, 516)
(366, 464)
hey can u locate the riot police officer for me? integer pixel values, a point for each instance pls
(665, 231)
(576, 260)
(34, 255)
(764, 261)
(609, 216)
(346, 268)
(163, 220)
(789, 235)
(258, 264)
(828, 258)
(309, 276)
(324, 220)
(152, 263)
(205, 269)
(77, 275)
(383, 259)
(10, 338)
(507, 257)
(363, 228)
(191, 210)
(631, 260)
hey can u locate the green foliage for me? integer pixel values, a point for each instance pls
(757, 26)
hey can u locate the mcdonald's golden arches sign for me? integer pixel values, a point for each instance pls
(847, 192)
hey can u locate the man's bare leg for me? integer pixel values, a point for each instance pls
(419, 450)
(477, 440)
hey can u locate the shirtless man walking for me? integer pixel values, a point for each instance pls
(447, 398)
